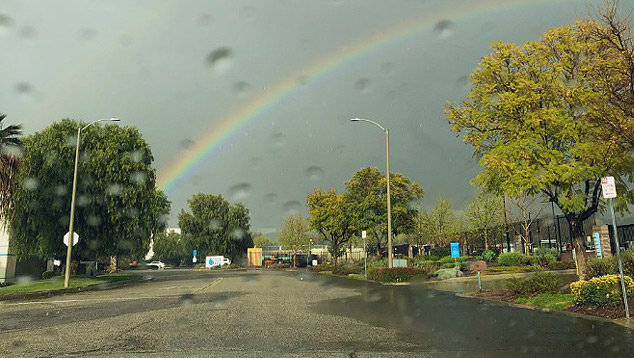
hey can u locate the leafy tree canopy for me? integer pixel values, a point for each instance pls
(216, 226)
(118, 207)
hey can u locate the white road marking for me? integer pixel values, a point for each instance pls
(89, 299)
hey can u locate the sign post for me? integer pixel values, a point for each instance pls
(455, 251)
(609, 192)
(194, 259)
(365, 256)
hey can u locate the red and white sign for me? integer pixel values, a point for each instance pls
(608, 187)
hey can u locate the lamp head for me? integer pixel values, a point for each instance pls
(113, 119)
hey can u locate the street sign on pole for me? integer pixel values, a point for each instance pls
(608, 187)
(75, 238)
(455, 249)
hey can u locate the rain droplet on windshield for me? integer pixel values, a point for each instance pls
(248, 12)
(23, 89)
(444, 28)
(139, 177)
(271, 198)
(87, 34)
(314, 173)
(387, 67)
(215, 224)
(186, 144)
(5, 23)
(136, 156)
(237, 234)
(241, 88)
(31, 183)
(255, 163)
(278, 139)
(240, 192)
(27, 31)
(362, 84)
(292, 207)
(205, 19)
(114, 189)
(220, 60)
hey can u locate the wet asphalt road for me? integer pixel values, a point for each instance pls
(185, 313)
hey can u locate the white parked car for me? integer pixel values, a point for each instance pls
(158, 264)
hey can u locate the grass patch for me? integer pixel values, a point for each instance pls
(499, 270)
(326, 272)
(556, 302)
(57, 283)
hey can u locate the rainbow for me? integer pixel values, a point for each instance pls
(182, 165)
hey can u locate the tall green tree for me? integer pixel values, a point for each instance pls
(216, 226)
(367, 191)
(172, 248)
(294, 234)
(118, 207)
(536, 117)
(441, 223)
(261, 241)
(331, 216)
(485, 215)
(9, 160)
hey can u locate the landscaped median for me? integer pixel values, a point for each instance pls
(56, 284)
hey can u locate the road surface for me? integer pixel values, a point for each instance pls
(187, 313)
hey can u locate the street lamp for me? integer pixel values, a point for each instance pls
(72, 200)
(389, 204)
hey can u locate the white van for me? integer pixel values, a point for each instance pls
(215, 261)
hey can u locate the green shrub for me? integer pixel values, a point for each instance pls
(322, 267)
(377, 263)
(426, 264)
(542, 251)
(540, 282)
(600, 290)
(48, 274)
(600, 266)
(488, 256)
(447, 265)
(627, 257)
(561, 265)
(395, 274)
(432, 258)
(346, 269)
(513, 259)
(448, 259)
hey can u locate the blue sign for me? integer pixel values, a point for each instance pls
(597, 243)
(455, 249)
(194, 253)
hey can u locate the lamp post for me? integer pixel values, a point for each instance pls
(389, 204)
(72, 200)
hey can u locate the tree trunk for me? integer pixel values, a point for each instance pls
(576, 228)
(113, 264)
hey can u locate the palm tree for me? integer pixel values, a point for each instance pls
(9, 161)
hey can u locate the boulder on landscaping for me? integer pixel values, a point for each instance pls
(446, 273)
(478, 266)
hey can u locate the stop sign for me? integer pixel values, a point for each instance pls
(75, 238)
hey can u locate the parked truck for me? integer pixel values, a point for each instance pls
(216, 261)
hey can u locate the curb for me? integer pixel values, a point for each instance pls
(619, 321)
(97, 287)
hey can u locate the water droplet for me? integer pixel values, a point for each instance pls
(114, 189)
(240, 192)
(186, 144)
(187, 299)
(87, 34)
(71, 141)
(215, 224)
(220, 60)
(255, 163)
(24, 89)
(27, 32)
(5, 23)
(136, 156)
(242, 88)
(339, 149)
(31, 183)
(61, 190)
(139, 177)
(292, 207)
(593, 339)
(444, 28)
(362, 84)
(302, 80)
(132, 212)
(237, 234)
(387, 67)
(24, 280)
(12, 151)
(271, 198)
(205, 19)
(278, 139)
(93, 220)
(314, 173)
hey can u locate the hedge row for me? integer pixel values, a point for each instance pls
(601, 290)
(541, 282)
(396, 274)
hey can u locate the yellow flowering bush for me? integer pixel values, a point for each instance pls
(601, 290)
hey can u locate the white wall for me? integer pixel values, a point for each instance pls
(7, 260)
